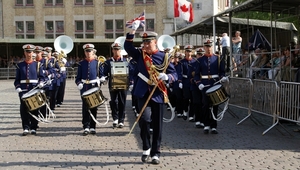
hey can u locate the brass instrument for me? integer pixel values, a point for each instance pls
(63, 44)
(101, 59)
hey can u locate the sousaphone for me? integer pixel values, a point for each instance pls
(121, 40)
(63, 44)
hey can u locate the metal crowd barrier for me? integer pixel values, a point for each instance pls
(289, 102)
(240, 90)
(265, 97)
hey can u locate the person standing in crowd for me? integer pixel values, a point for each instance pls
(86, 79)
(29, 74)
(210, 69)
(185, 83)
(150, 64)
(236, 47)
(225, 43)
(117, 96)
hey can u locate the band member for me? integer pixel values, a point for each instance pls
(55, 76)
(86, 79)
(196, 93)
(185, 82)
(210, 69)
(150, 64)
(29, 74)
(132, 78)
(62, 61)
(117, 96)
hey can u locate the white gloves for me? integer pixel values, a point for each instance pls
(135, 25)
(224, 79)
(19, 90)
(64, 60)
(102, 79)
(163, 76)
(80, 86)
(201, 86)
(62, 69)
(41, 85)
(130, 87)
(49, 82)
(180, 85)
(167, 85)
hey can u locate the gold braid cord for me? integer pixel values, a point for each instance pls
(154, 72)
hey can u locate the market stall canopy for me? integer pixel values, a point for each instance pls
(205, 27)
(290, 7)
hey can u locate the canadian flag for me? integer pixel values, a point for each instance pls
(184, 10)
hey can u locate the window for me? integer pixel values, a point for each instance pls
(83, 2)
(89, 26)
(19, 2)
(139, 1)
(59, 26)
(114, 28)
(149, 24)
(52, 30)
(24, 29)
(144, 1)
(20, 27)
(84, 29)
(113, 2)
(54, 3)
(109, 26)
(24, 3)
(119, 25)
(49, 26)
(30, 26)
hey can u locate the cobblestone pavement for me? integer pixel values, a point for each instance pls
(61, 145)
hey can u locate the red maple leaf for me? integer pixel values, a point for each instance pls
(184, 8)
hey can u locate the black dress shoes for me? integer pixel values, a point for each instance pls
(144, 158)
(214, 131)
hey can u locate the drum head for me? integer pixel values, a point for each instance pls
(214, 88)
(90, 91)
(30, 93)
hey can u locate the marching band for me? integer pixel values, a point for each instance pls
(153, 76)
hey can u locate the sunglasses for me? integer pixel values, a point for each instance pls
(88, 51)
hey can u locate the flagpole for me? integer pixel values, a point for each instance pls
(145, 20)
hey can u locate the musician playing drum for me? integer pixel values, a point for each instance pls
(150, 64)
(209, 71)
(29, 74)
(86, 79)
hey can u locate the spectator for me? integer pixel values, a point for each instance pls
(236, 47)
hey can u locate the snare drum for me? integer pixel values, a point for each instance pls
(119, 75)
(217, 94)
(34, 99)
(93, 97)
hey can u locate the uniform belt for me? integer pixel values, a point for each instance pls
(29, 81)
(89, 81)
(148, 81)
(209, 76)
(184, 76)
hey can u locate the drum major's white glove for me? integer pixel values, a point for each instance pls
(102, 79)
(19, 90)
(41, 85)
(135, 25)
(180, 85)
(224, 79)
(201, 86)
(80, 86)
(130, 87)
(163, 76)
